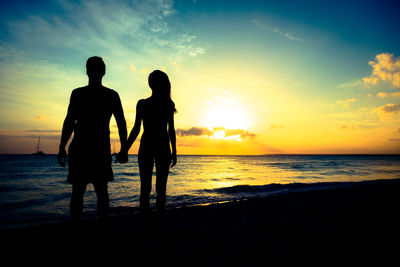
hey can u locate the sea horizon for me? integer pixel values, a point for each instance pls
(271, 154)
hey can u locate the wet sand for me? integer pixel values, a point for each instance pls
(350, 225)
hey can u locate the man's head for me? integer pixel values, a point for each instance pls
(95, 67)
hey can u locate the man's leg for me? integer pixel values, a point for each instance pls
(101, 189)
(103, 202)
(76, 204)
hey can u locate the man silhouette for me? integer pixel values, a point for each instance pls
(89, 154)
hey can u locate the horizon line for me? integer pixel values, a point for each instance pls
(271, 154)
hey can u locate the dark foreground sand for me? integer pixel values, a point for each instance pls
(349, 226)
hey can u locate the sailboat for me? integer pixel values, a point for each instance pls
(38, 152)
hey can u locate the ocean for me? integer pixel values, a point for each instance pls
(33, 189)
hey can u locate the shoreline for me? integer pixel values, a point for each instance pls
(358, 221)
(260, 191)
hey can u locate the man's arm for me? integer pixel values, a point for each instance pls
(68, 128)
(121, 124)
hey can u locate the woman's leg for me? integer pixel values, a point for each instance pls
(163, 161)
(146, 164)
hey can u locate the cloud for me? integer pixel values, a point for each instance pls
(197, 51)
(276, 126)
(346, 127)
(387, 111)
(177, 65)
(144, 71)
(132, 68)
(382, 94)
(44, 134)
(194, 131)
(346, 102)
(262, 25)
(386, 68)
(115, 30)
(396, 136)
(41, 117)
(351, 84)
(240, 132)
(385, 94)
(390, 108)
(216, 131)
(396, 94)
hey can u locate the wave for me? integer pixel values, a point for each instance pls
(279, 188)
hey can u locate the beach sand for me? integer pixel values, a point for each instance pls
(351, 225)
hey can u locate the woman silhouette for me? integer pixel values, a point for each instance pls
(157, 114)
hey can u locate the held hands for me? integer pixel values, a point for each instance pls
(62, 157)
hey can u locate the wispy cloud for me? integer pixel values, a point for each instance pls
(276, 126)
(347, 127)
(351, 84)
(41, 117)
(116, 30)
(346, 102)
(386, 94)
(262, 25)
(44, 134)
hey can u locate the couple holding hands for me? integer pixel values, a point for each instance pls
(89, 154)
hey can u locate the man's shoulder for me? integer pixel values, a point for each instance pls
(110, 91)
(78, 90)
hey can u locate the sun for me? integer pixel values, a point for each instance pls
(228, 116)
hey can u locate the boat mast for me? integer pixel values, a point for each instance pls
(38, 145)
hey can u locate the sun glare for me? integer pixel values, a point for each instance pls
(219, 134)
(226, 116)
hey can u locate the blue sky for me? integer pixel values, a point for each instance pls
(290, 66)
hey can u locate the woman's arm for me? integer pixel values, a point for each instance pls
(136, 128)
(172, 138)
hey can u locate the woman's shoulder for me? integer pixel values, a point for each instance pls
(142, 104)
(144, 101)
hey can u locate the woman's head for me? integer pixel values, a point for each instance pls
(161, 87)
(159, 83)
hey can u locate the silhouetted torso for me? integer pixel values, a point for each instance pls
(155, 124)
(93, 108)
(89, 152)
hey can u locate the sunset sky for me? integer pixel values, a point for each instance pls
(248, 77)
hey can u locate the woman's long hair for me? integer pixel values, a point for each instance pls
(161, 87)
